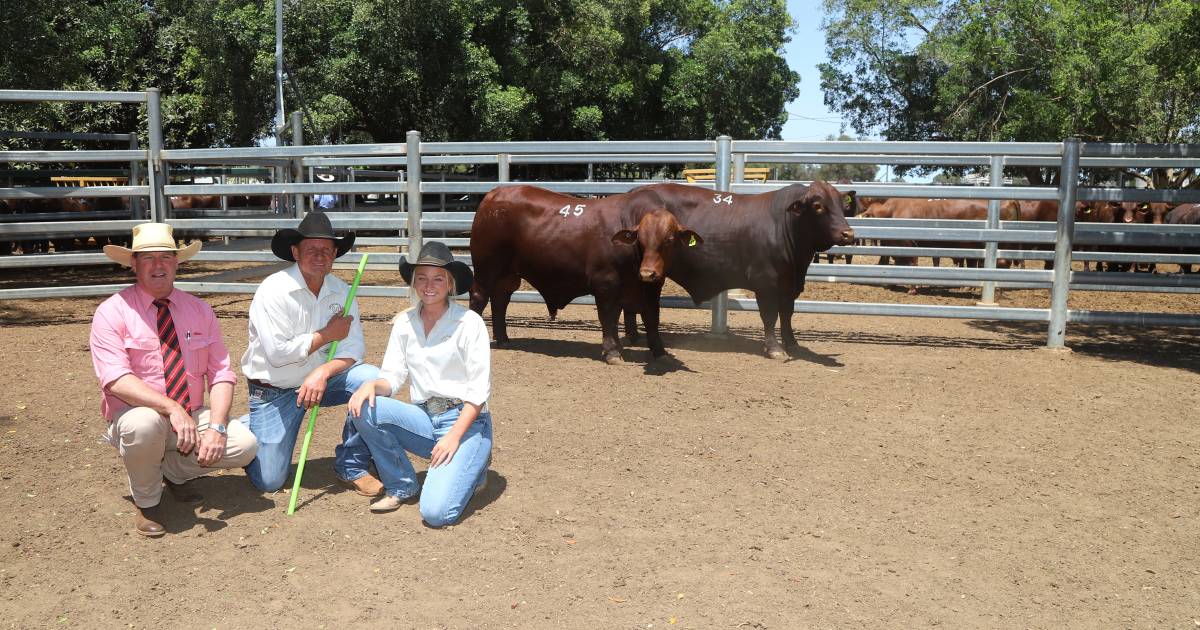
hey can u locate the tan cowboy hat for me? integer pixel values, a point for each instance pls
(151, 237)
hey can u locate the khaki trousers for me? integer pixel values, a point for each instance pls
(146, 443)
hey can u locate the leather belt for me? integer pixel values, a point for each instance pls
(437, 404)
(262, 384)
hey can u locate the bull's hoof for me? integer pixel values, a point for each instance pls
(500, 343)
(777, 354)
(613, 358)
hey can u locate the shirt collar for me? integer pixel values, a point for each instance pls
(145, 301)
(452, 314)
(298, 283)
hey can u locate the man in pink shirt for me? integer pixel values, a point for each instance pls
(157, 351)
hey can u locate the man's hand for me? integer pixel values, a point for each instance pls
(212, 447)
(337, 329)
(310, 392)
(184, 427)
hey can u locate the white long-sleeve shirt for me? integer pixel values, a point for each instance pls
(454, 361)
(283, 317)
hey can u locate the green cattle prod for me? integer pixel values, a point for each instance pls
(312, 417)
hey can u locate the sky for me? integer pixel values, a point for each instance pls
(808, 119)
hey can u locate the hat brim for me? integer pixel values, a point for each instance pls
(124, 255)
(282, 242)
(459, 270)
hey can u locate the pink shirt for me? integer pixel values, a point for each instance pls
(124, 341)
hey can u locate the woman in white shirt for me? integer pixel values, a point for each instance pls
(442, 349)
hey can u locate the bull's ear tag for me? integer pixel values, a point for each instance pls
(692, 241)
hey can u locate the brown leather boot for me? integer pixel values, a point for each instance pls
(146, 522)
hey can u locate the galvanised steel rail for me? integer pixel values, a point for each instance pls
(413, 154)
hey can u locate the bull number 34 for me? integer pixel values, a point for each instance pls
(567, 210)
(727, 199)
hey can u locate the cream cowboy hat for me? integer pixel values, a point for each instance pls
(151, 237)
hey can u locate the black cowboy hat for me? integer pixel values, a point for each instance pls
(315, 225)
(436, 254)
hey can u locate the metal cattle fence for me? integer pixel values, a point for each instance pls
(406, 222)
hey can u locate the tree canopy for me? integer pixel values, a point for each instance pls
(370, 70)
(1016, 70)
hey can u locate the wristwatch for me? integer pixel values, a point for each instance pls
(219, 428)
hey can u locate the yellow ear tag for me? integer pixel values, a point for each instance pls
(692, 241)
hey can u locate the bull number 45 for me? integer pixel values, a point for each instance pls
(567, 210)
(727, 199)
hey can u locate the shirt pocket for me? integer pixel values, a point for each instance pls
(144, 355)
(196, 353)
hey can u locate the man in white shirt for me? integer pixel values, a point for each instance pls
(295, 314)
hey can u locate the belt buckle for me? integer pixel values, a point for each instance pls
(437, 405)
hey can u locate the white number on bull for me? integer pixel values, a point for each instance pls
(567, 210)
(728, 199)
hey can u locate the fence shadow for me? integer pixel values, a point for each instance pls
(1158, 346)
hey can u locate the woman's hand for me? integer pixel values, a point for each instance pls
(365, 392)
(444, 450)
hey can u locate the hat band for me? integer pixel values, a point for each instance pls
(433, 262)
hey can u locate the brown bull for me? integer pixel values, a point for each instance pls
(618, 249)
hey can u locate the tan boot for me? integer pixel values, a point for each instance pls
(366, 485)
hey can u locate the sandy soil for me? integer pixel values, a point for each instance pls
(896, 472)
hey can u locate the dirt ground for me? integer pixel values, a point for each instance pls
(894, 473)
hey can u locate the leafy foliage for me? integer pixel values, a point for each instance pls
(1016, 70)
(370, 70)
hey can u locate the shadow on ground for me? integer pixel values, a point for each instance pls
(1159, 346)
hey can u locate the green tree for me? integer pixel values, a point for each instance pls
(1020, 70)
(370, 70)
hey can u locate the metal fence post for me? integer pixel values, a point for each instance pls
(720, 303)
(503, 167)
(401, 205)
(135, 179)
(995, 178)
(1068, 181)
(155, 171)
(297, 168)
(413, 194)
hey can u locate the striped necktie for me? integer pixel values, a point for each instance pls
(173, 372)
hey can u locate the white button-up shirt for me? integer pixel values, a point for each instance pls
(454, 361)
(283, 317)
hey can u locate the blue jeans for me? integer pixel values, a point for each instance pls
(275, 420)
(393, 427)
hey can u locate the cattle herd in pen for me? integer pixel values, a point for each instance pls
(621, 248)
(91, 208)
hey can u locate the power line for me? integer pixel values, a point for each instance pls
(816, 118)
